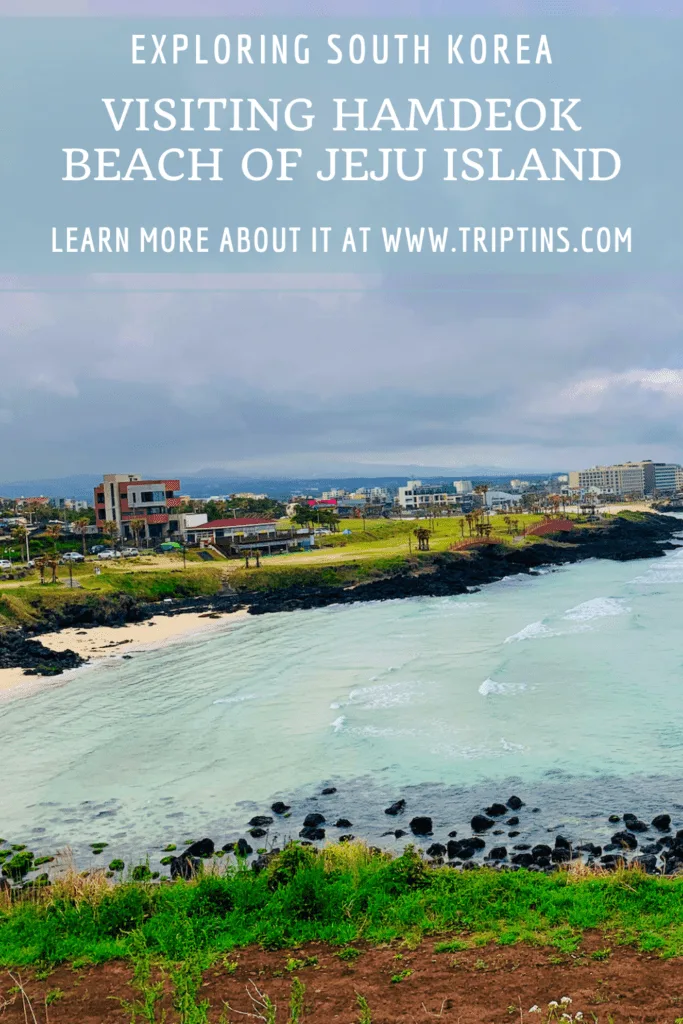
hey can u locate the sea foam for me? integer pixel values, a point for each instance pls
(490, 686)
(235, 700)
(596, 608)
(533, 631)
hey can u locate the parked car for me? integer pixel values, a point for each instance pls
(96, 548)
(129, 552)
(5, 563)
(109, 554)
(72, 556)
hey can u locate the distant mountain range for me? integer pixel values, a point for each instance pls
(207, 482)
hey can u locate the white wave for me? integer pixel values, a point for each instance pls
(510, 747)
(596, 608)
(490, 686)
(386, 695)
(338, 723)
(235, 700)
(530, 632)
(373, 730)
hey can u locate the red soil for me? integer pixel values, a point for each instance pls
(490, 985)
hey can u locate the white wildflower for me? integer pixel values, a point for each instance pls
(553, 1004)
(578, 1015)
(535, 1009)
(565, 1000)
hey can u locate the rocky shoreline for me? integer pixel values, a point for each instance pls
(499, 836)
(441, 575)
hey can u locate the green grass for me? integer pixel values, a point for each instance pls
(341, 896)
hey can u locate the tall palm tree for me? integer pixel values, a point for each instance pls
(110, 529)
(20, 536)
(482, 489)
(53, 531)
(137, 525)
(53, 564)
(82, 527)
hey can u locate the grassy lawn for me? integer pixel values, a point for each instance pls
(367, 551)
(341, 895)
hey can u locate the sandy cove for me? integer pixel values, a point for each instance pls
(109, 641)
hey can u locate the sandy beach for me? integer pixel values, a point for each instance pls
(108, 641)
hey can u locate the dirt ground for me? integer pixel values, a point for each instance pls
(489, 985)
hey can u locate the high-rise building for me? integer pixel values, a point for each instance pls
(637, 478)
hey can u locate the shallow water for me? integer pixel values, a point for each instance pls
(566, 687)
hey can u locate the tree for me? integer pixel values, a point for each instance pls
(110, 529)
(302, 515)
(41, 565)
(20, 536)
(422, 538)
(137, 526)
(482, 490)
(53, 565)
(82, 525)
(53, 531)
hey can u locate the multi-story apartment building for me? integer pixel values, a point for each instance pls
(127, 497)
(641, 478)
(416, 496)
(668, 478)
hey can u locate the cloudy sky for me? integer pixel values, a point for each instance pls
(331, 374)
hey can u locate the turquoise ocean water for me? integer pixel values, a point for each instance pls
(566, 687)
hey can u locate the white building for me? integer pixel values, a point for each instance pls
(499, 499)
(416, 496)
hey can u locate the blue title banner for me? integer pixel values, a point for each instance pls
(442, 146)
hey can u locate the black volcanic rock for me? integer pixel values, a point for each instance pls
(279, 808)
(514, 803)
(311, 833)
(480, 823)
(436, 850)
(242, 848)
(396, 808)
(343, 823)
(421, 826)
(634, 824)
(626, 840)
(662, 822)
(202, 848)
(497, 853)
(184, 867)
(314, 819)
(18, 651)
(495, 810)
(260, 820)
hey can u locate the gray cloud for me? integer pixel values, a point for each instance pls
(517, 373)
